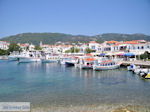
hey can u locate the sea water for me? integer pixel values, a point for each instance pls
(48, 85)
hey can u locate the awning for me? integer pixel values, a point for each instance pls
(129, 54)
(102, 54)
(120, 54)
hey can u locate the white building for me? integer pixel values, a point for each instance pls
(135, 46)
(4, 45)
(94, 45)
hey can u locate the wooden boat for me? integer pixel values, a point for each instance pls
(106, 65)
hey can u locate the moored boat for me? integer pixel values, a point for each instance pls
(85, 63)
(29, 59)
(50, 59)
(32, 56)
(13, 58)
(147, 76)
(63, 60)
(131, 67)
(71, 61)
(106, 65)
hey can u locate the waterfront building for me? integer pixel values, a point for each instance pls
(136, 46)
(55, 49)
(94, 45)
(82, 47)
(4, 45)
(27, 46)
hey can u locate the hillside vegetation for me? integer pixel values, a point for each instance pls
(51, 38)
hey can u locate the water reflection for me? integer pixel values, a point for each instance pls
(105, 77)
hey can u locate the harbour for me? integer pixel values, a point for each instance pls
(74, 56)
(55, 87)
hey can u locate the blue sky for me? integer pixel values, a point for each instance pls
(88, 17)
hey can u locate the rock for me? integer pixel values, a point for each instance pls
(122, 110)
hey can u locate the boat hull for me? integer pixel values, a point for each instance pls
(69, 64)
(48, 61)
(82, 66)
(12, 58)
(28, 60)
(106, 67)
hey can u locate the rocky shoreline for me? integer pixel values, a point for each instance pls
(92, 108)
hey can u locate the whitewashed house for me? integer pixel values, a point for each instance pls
(4, 45)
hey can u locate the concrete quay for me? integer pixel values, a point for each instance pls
(137, 62)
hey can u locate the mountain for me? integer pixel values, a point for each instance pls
(51, 38)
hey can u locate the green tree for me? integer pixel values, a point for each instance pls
(3, 52)
(37, 47)
(88, 50)
(77, 50)
(74, 50)
(67, 51)
(145, 55)
(14, 47)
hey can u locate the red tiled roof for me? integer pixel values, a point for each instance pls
(92, 42)
(112, 42)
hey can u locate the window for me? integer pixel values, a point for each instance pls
(142, 47)
(99, 49)
(93, 47)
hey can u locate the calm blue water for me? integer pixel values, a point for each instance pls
(53, 84)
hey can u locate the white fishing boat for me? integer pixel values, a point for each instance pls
(71, 61)
(63, 60)
(13, 56)
(144, 71)
(29, 59)
(32, 56)
(106, 65)
(133, 67)
(137, 71)
(85, 63)
(50, 58)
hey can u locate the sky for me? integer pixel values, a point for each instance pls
(85, 17)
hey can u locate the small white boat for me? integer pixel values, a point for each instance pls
(13, 58)
(106, 65)
(143, 72)
(132, 67)
(32, 56)
(28, 59)
(137, 71)
(86, 63)
(50, 59)
(64, 60)
(71, 61)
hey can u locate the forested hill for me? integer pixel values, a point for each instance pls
(51, 38)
